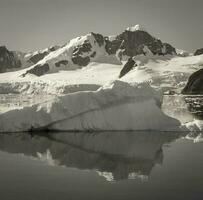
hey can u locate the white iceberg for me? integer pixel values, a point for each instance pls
(116, 106)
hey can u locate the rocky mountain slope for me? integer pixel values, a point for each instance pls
(198, 52)
(16, 60)
(36, 56)
(195, 83)
(93, 47)
(8, 60)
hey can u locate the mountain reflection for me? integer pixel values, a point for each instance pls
(116, 156)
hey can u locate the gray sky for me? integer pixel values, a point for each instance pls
(36, 24)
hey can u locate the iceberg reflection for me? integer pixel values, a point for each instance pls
(116, 156)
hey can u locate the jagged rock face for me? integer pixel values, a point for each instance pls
(83, 48)
(134, 43)
(81, 61)
(40, 55)
(8, 60)
(127, 67)
(130, 43)
(168, 49)
(99, 38)
(198, 52)
(112, 46)
(77, 56)
(36, 58)
(83, 53)
(195, 83)
(38, 70)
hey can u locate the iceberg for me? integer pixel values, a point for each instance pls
(116, 106)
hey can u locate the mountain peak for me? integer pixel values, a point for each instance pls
(94, 47)
(134, 28)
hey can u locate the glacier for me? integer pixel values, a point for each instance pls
(94, 98)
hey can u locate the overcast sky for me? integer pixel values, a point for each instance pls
(36, 24)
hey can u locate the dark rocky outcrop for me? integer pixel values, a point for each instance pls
(127, 67)
(198, 52)
(93, 54)
(40, 55)
(81, 61)
(36, 58)
(112, 46)
(132, 43)
(62, 62)
(8, 60)
(38, 70)
(194, 84)
(99, 38)
(169, 49)
(78, 51)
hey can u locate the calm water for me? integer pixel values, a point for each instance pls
(120, 166)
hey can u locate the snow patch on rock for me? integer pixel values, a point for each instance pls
(134, 28)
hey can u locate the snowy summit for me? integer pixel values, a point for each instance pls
(137, 27)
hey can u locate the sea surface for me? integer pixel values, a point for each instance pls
(115, 166)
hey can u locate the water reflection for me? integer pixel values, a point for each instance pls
(116, 156)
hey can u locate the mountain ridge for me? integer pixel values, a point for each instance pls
(82, 50)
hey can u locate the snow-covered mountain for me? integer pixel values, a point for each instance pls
(93, 47)
(35, 57)
(76, 54)
(89, 61)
